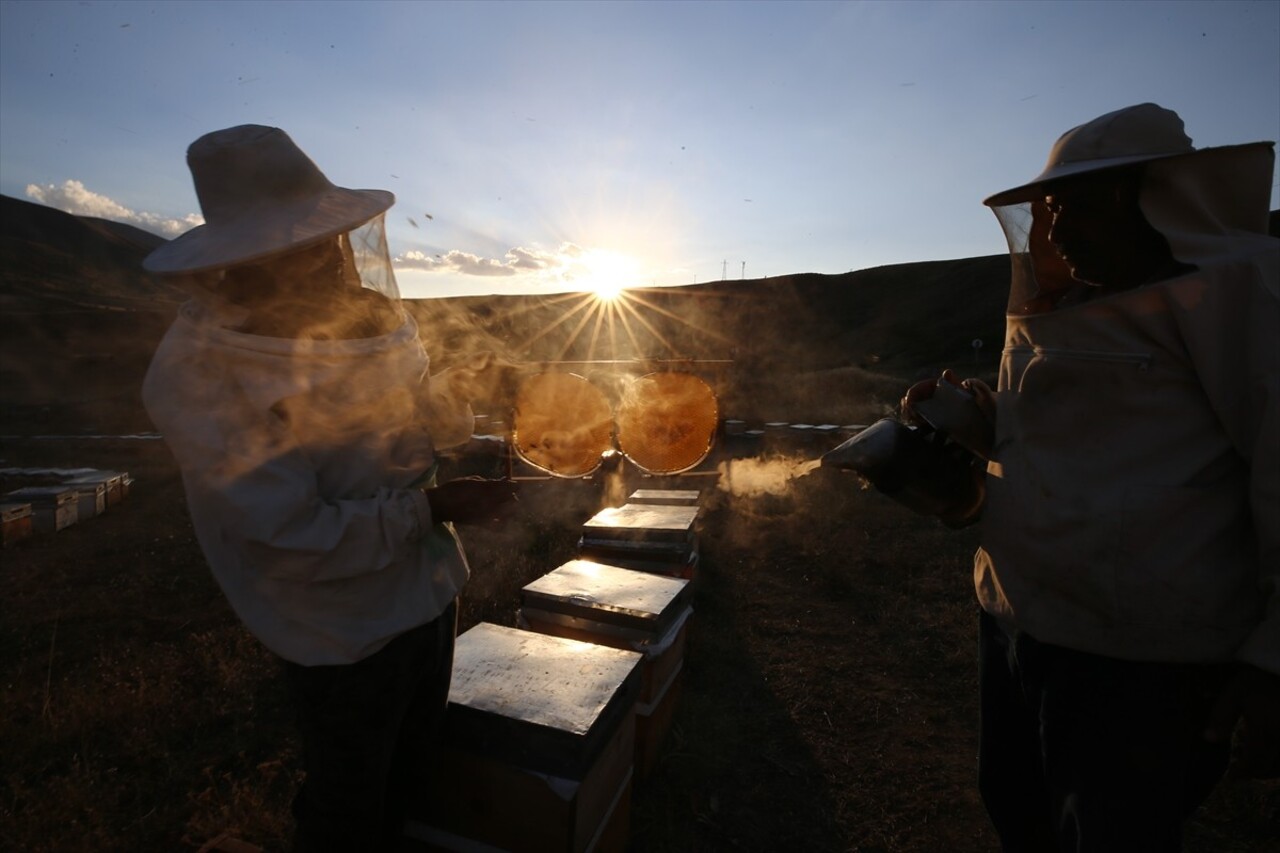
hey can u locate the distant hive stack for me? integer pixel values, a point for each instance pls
(115, 483)
(540, 744)
(40, 507)
(625, 609)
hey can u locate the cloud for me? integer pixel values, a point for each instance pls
(516, 261)
(527, 259)
(73, 197)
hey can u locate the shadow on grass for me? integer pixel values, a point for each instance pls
(734, 772)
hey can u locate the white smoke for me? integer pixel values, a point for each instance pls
(755, 477)
(75, 198)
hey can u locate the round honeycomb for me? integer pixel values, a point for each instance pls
(562, 424)
(667, 422)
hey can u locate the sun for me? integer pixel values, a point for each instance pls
(606, 274)
(607, 291)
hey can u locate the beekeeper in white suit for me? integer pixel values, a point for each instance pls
(1131, 529)
(294, 393)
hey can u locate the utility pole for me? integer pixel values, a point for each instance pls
(744, 270)
(724, 270)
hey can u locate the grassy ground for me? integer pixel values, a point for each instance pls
(828, 703)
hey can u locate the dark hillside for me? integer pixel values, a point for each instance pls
(901, 317)
(838, 347)
(49, 254)
(79, 320)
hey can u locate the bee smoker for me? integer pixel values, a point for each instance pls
(921, 467)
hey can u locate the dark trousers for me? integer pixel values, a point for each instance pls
(1086, 753)
(368, 729)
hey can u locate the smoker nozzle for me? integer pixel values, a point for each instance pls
(918, 468)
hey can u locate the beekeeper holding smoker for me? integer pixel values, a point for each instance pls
(294, 393)
(1130, 551)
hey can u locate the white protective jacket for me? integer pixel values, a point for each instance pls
(296, 458)
(1133, 500)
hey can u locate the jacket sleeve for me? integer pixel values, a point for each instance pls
(1232, 333)
(253, 490)
(273, 514)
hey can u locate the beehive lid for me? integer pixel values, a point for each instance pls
(642, 521)
(108, 478)
(665, 497)
(536, 701)
(42, 494)
(610, 594)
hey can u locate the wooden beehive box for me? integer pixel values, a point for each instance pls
(624, 609)
(112, 481)
(15, 520)
(53, 507)
(647, 537)
(91, 497)
(540, 736)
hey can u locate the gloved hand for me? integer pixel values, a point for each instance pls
(964, 411)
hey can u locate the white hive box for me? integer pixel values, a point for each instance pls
(53, 507)
(647, 537)
(91, 498)
(540, 736)
(624, 609)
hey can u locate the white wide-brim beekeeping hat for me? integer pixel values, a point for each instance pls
(1139, 134)
(261, 196)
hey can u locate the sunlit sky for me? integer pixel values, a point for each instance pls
(547, 146)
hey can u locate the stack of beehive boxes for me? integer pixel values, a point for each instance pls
(549, 724)
(540, 743)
